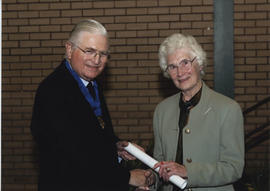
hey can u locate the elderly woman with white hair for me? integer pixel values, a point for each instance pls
(198, 132)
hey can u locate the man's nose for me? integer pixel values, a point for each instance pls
(97, 58)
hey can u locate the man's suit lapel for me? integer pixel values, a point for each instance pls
(103, 106)
(75, 97)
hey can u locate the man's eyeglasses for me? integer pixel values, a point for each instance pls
(184, 65)
(91, 52)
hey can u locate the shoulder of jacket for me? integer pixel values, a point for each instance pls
(169, 101)
(56, 80)
(221, 100)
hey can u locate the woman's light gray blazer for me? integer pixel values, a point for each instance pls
(213, 140)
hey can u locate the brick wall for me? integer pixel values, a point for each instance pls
(34, 32)
(252, 70)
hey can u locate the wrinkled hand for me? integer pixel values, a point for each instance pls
(141, 179)
(150, 177)
(137, 178)
(169, 168)
(150, 180)
(142, 188)
(123, 153)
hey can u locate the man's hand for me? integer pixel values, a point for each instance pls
(141, 178)
(150, 177)
(150, 180)
(123, 153)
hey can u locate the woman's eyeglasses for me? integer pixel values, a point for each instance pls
(184, 65)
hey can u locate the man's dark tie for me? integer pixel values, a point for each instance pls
(91, 90)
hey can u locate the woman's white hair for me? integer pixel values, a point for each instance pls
(178, 41)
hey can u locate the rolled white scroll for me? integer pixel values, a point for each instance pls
(149, 161)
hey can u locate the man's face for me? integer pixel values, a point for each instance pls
(88, 66)
(185, 77)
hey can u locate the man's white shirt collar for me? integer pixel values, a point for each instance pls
(85, 83)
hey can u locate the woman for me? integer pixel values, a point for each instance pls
(198, 132)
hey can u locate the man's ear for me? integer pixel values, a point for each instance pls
(68, 46)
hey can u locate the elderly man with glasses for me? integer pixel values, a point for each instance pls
(78, 150)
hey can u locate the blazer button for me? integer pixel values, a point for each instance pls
(187, 131)
(189, 160)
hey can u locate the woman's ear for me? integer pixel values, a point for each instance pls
(201, 67)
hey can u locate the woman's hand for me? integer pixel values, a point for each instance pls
(169, 168)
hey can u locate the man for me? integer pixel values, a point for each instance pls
(77, 146)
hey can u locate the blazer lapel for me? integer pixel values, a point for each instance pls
(173, 129)
(199, 112)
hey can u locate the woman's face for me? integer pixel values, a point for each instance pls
(184, 71)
